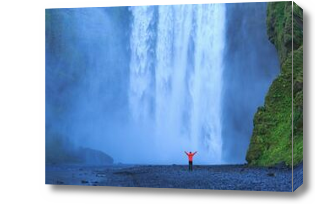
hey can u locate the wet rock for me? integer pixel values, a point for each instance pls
(60, 182)
(84, 182)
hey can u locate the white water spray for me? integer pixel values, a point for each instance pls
(176, 79)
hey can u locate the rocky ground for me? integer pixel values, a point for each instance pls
(298, 176)
(224, 177)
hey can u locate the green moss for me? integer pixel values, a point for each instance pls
(298, 150)
(271, 141)
(279, 26)
(298, 106)
(272, 124)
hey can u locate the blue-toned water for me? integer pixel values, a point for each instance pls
(144, 84)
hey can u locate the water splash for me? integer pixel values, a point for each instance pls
(176, 78)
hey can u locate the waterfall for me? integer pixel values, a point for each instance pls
(175, 80)
(146, 83)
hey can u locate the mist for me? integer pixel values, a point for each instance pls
(251, 64)
(144, 84)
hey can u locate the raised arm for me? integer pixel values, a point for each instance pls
(195, 152)
(186, 152)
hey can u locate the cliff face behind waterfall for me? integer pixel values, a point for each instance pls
(271, 142)
(247, 75)
(81, 63)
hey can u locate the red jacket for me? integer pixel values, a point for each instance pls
(190, 156)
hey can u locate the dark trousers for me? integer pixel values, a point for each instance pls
(190, 166)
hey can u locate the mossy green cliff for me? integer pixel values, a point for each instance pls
(271, 141)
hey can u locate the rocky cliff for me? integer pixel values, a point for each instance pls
(271, 141)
